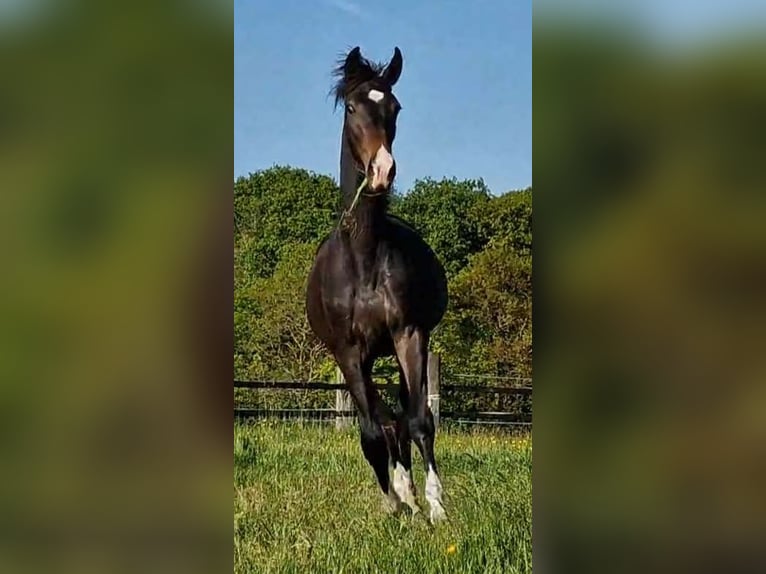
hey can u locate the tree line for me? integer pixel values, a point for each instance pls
(484, 241)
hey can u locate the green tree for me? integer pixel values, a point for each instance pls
(507, 218)
(275, 207)
(492, 298)
(443, 211)
(273, 337)
(488, 325)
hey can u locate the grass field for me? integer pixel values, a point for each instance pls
(305, 501)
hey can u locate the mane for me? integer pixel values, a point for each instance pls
(344, 85)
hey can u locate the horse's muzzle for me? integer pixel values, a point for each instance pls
(381, 171)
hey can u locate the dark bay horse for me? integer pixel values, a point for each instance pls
(376, 288)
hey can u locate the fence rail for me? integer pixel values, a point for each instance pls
(343, 413)
(322, 386)
(469, 417)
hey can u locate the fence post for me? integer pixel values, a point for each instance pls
(342, 403)
(434, 385)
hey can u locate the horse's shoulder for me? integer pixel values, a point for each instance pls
(327, 241)
(398, 223)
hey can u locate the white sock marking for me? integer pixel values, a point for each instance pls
(404, 487)
(434, 495)
(375, 95)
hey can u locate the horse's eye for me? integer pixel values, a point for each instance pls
(350, 109)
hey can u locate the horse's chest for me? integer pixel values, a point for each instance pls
(372, 310)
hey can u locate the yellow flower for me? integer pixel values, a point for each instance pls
(451, 549)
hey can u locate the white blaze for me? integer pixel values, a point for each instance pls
(375, 95)
(381, 165)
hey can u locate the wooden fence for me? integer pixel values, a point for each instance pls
(344, 414)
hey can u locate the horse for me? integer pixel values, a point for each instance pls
(377, 289)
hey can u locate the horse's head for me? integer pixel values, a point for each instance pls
(371, 110)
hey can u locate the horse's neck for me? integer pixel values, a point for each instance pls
(365, 222)
(350, 177)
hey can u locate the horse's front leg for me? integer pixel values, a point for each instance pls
(375, 444)
(412, 352)
(403, 483)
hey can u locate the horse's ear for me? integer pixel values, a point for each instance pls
(353, 62)
(394, 69)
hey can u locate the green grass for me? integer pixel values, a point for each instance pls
(305, 501)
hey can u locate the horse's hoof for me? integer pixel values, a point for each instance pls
(437, 514)
(434, 497)
(391, 503)
(404, 488)
(414, 507)
(409, 500)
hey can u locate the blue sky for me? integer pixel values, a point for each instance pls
(465, 89)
